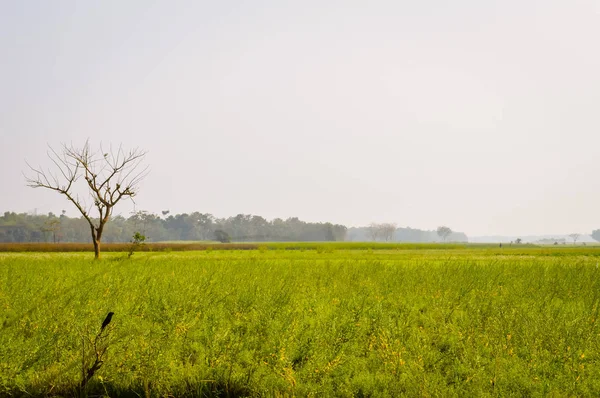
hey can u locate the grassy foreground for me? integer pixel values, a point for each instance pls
(464, 322)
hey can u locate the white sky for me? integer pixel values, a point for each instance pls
(480, 115)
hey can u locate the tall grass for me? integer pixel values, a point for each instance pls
(341, 323)
(193, 246)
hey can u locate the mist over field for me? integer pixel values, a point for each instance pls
(476, 115)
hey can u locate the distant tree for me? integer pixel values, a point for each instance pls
(384, 231)
(165, 212)
(387, 231)
(444, 232)
(109, 177)
(52, 224)
(574, 236)
(518, 241)
(374, 231)
(140, 220)
(329, 236)
(596, 234)
(222, 236)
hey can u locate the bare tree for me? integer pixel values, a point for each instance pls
(109, 177)
(574, 236)
(383, 231)
(374, 231)
(387, 231)
(444, 232)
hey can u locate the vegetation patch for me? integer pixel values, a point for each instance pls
(444, 322)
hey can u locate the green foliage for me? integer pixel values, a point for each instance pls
(444, 232)
(384, 322)
(222, 236)
(322, 247)
(180, 227)
(137, 240)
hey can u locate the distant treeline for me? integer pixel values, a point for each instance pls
(180, 227)
(196, 226)
(365, 234)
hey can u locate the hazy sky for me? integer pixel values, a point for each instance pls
(481, 115)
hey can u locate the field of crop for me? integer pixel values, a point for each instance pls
(187, 246)
(316, 321)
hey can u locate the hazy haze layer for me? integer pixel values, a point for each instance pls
(478, 115)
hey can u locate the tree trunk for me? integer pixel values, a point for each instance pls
(96, 248)
(96, 241)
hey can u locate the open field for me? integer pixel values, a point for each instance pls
(187, 246)
(324, 320)
(318, 246)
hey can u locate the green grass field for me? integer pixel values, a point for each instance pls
(399, 321)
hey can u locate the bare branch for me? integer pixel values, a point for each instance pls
(109, 176)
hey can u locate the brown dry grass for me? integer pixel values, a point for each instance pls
(121, 247)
